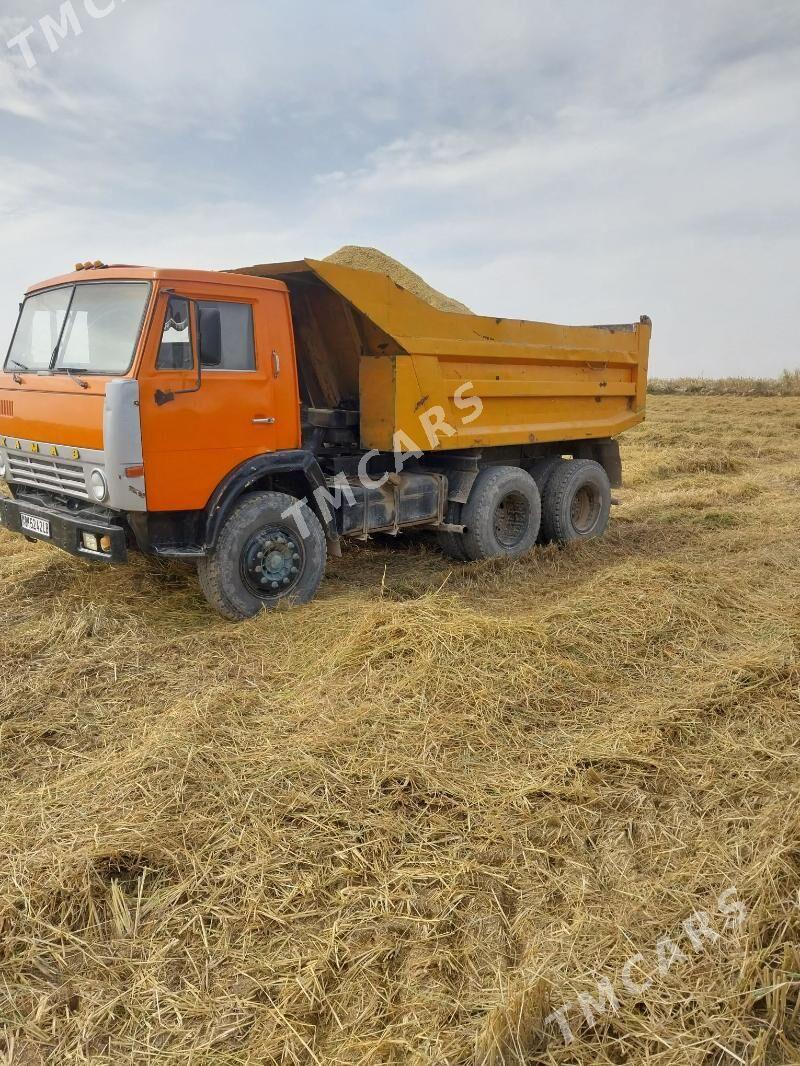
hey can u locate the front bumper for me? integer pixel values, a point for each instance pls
(66, 529)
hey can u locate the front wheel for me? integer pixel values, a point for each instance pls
(267, 556)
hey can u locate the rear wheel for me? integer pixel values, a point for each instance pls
(265, 557)
(541, 470)
(577, 502)
(502, 515)
(452, 544)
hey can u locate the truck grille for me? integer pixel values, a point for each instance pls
(54, 475)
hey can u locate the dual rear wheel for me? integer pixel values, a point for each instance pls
(577, 502)
(509, 509)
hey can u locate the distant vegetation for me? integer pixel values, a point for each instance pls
(788, 384)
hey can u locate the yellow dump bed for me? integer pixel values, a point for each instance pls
(365, 343)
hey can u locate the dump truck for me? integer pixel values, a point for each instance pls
(248, 421)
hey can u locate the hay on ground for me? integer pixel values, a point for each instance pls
(404, 824)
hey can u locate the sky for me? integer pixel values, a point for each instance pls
(573, 161)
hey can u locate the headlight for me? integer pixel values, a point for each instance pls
(98, 485)
(3, 469)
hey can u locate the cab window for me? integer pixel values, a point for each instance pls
(236, 329)
(175, 352)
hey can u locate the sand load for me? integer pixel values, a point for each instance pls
(373, 259)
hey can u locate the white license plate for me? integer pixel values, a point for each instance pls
(31, 524)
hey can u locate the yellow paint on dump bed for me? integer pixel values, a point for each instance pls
(538, 382)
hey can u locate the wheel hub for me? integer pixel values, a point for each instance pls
(271, 562)
(511, 519)
(585, 509)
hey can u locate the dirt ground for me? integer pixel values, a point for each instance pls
(409, 822)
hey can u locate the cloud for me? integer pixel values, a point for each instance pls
(15, 96)
(564, 162)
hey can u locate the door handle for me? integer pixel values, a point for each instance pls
(263, 421)
(276, 364)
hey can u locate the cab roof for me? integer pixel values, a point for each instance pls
(142, 273)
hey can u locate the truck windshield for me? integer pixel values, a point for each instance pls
(91, 328)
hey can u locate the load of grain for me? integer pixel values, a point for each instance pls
(372, 259)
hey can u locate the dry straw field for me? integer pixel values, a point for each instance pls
(404, 824)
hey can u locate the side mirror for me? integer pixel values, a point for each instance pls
(210, 329)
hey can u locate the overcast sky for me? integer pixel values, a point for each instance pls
(566, 161)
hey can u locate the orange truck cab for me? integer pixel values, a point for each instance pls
(248, 420)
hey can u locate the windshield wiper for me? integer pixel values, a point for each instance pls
(73, 376)
(15, 376)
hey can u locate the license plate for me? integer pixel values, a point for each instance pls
(31, 524)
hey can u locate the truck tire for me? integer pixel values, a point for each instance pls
(452, 544)
(502, 515)
(541, 470)
(577, 502)
(262, 559)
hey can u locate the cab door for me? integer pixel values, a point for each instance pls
(208, 399)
